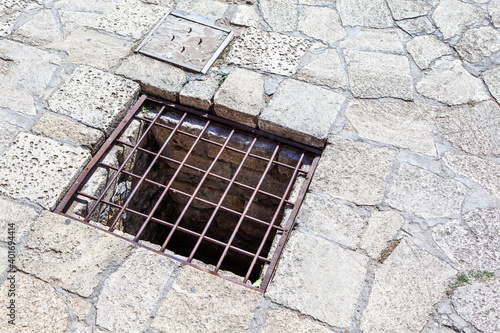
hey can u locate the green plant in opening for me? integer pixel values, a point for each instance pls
(469, 278)
(222, 79)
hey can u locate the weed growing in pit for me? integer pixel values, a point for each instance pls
(469, 278)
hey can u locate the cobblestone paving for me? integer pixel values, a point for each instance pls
(400, 230)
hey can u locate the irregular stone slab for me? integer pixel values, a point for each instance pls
(477, 44)
(71, 20)
(131, 18)
(373, 14)
(333, 221)
(452, 17)
(322, 23)
(325, 278)
(440, 83)
(307, 120)
(403, 9)
(270, 52)
(492, 79)
(156, 77)
(208, 8)
(382, 228)
(479, 304)
(246, 16)
(473, 129)
(375, 40)
(471, 244)
(425, 194)
(39, 308)
(424, 49)
(326, 69)
(406, 125)
(240, 97)
(40, 30)
(494, 11)
(21, 216)
(284, 320)
(70, 255)
(129, 296)
(200, 302)
(89, 47)
(199, 94)
(39, 169)
(375, 75)
(416, 26)
(59, 128)
(17, 100)
(486, 173)
(281, 15)
(11, 6)
(8, 133)
(86, 6)
(103, 98)
(353, 171)
(17, 62)
(405, 290)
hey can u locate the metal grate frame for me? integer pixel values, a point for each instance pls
(282, 229)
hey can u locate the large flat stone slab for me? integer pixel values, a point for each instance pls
(21, 216)
(326, 279)
(425, 49)
(452, 17)
(385, 40)
(129, 296)
(240, 97)
(301, 112)
(201, 302)
(375, 75)
(440, 83)
(404, 9)
(425, 194)
(479, 304)
(39, 169)
(416, 26)
(270, 52)
(281, 15)
(336, 222)
(492, 79)
(284, 320)
(322, 23)
(382, 228)
(477, 44)
(39, 307)
(207, 8)
(155, 77)
(406, 125)
(373, 14)
(326, 69)
(17, 100)
(405, 290)
(41, 30)
(471, 244)
(103, 98)
(70, 254)
(473, 129)
(353, 171)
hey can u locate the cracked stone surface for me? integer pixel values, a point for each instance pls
(471, 244)
(404, 9)
(198, 302)
(477, 44)
(39, 308)
(440, 83)
(281, 15)
(206, 8)
(41, 30)
(326, 70)
(21, 216)
(452, 17)
(198, 93)
(240, 97)
(104, 98)
(406, 125)
(155, 77)
(425, 194)
(246, 16)
(40, 169)
(307, 120)
(322, 23)
(270, 52)
(425, 49)
(8, 132)
(382, 228)
(479, 304)
(416, 25)
(128, 286)
(283, 320)
(326, 279)
(17, 100)
(473, 129)
(373, 14)
(347, 170)
(375, 75)
(405, 289)
(70, 255)
(492, 79)
(387, 40)
(494, 11)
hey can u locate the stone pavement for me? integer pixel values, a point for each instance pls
(399, 231)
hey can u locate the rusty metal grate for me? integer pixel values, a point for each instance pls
(201, 189)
